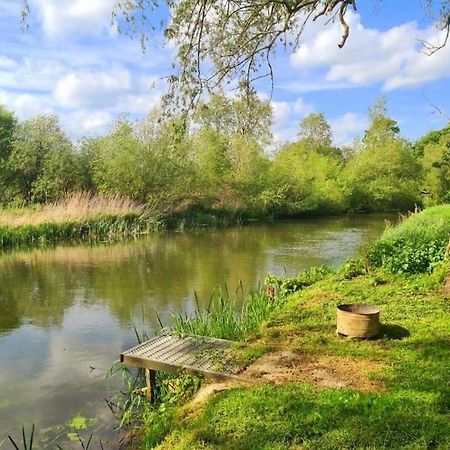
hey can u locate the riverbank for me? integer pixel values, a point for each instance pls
(317, 391)
(78, 217)
(86, 218)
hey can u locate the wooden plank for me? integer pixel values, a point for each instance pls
(196, 354)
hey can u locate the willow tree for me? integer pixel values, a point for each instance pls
(229, 42)
(222, 42)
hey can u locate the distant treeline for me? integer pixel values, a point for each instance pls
(217, 161)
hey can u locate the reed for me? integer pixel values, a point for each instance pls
(77, 207)
(228, 316)
(78, 217)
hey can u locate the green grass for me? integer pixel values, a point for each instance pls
(102, 227)
(417, 244)
(228, 317)
(411, 411)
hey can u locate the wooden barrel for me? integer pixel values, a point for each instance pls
(358, 321)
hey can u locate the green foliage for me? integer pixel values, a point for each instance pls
(97, 228)
(436, 165)
(147, 162)
(315, 132)
(286, 286)
(8, 123)
(42, 160)
(214, 169)
(382, 177)
(304, 180)
(352, 268)
(247, 115)
(228, 317)
(417, 245)
(433, 137)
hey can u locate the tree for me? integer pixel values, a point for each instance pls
(304, 180)
(145, 161)
(220, 41)
(42, 160)
(246, 115)
(433, 137)
(8, 124)
(436, 166)
(315, 129)
(384, 174)
(381, 127)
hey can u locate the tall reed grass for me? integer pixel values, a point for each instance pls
(228, 316)
(77, 207)
(78, 217)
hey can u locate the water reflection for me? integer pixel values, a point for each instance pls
(65, 313)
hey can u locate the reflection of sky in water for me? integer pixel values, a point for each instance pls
(67, 312)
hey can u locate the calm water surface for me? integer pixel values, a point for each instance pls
(66, 313)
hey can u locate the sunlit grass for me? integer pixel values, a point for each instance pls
(228, 316)
(417, 244)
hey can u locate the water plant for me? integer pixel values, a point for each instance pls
(27, 444)
(227, 316)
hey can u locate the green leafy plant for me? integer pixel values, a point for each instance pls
(417, 245)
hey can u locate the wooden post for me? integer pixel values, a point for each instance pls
(151, 384)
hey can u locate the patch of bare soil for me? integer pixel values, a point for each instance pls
(288, 366)
(333, 372)
(208, 389)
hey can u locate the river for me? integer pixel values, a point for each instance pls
(67, 312)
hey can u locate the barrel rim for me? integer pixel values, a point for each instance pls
(359, 309)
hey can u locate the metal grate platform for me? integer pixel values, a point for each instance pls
(167, 353)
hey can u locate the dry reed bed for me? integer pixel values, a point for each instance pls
(75, 208)
(78, 217)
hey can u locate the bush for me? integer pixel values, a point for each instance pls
(417, 245)
(286, 286)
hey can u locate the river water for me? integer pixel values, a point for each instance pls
(67, 312)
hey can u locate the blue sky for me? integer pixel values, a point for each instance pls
(71, 62)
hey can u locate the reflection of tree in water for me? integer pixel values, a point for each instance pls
(34, 292)
(160, 272)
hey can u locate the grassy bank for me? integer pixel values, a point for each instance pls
(317, 391)
(79, 217)
(417, 244)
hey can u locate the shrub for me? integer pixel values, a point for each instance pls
(416, 245)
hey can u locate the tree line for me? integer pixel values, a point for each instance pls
(217, 161)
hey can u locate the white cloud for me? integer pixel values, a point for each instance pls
(393, 57)
(287, 116)
(26, 105)
(85, 122)
(89, 88)
(347, 127)
(66, 17)
(6, 63)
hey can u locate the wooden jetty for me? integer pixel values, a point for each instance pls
(210, 357)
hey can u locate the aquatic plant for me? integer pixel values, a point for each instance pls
(27, 444)
(227, 316)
